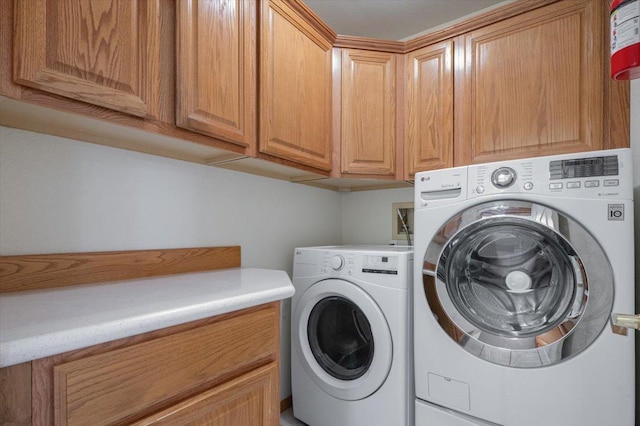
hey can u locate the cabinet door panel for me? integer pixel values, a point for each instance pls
(251, 399)
(104, 52)
(368, 112)
(532, 85)
(429, 108)
(295, 78)
(216, 74)
(120, 384)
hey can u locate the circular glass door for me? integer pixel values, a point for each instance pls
(342, 339)
(518, 284)
(509, 278)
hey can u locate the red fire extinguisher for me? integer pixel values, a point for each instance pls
(625, 39)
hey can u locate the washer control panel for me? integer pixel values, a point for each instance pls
(600, 174)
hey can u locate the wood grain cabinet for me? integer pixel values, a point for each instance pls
(368, 113)
(429, 106)
(221, 371)
(256, 78)
(104, 52)
(532, 85)
(295, 87)
(243, 401)
(216, 68)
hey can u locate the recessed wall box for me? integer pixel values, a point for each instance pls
(397, 230)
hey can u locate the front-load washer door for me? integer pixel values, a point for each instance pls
(343, 339)
(518, 283)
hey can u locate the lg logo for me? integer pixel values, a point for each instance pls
(616, 212)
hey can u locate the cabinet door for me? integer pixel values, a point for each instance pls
(119, 385)
(532, 85)
(216, 73)
(295, 81)
(429, 130)
(251, 399)
(368, 124)
(104, 52)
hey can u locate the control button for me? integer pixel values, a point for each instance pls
(573, 185)
(528, 186)
(337, 262)
(555, 186)
(611, 182)
(503, 177)
(480, 189)
(591, 183)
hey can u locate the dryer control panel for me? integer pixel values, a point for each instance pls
(380, 264)
(338, 262)
(371, 263)
(387, 266)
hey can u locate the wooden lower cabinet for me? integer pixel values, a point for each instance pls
(218, 371)
(243, 401)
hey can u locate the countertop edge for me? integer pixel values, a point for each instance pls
(28, 349)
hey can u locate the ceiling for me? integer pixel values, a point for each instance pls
(393, 19)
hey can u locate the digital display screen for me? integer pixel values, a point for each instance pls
(584, 167)
(378, 264)
(583, 162)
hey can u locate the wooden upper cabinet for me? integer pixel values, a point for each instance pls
(368, 112)
(104, 52)
(216, 68)
(429, 105)
(295, 87)
(532, 85)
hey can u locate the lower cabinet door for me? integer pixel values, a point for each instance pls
(249, 400)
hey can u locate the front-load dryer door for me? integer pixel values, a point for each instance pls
(518, 283)
(343, 339)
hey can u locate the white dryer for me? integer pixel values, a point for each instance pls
(520, 267)
(351, 359)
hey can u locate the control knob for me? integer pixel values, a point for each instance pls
(337, 262)
(503, 177)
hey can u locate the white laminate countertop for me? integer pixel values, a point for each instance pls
(39, 323)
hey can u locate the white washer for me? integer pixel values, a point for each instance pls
(351, 359)
(521, 264)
